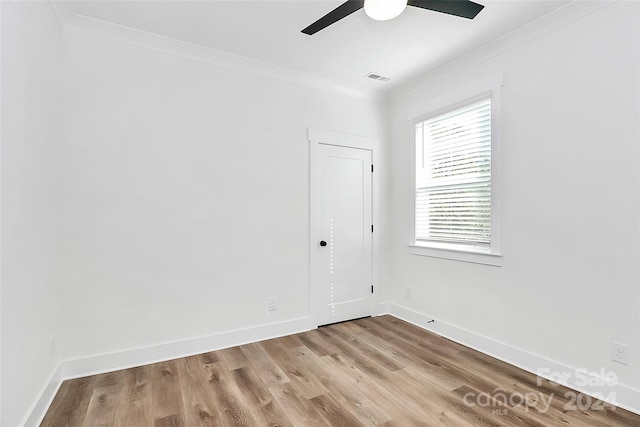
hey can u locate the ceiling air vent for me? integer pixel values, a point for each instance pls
(374, 76)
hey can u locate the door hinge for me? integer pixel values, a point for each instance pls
(371, 288)
(371, 168)
(372, 228)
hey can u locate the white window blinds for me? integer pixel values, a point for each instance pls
(453, 176)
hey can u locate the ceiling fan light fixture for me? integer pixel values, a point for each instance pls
(383, 10)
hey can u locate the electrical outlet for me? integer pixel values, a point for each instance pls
(620, 353)
(407, 292)
(273, 304)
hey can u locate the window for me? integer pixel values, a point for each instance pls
(455, 206)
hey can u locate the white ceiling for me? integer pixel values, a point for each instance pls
(269, 31)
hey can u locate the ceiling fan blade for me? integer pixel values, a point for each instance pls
(462, 8)
(345, 9)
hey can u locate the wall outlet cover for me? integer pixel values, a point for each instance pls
(620, 353)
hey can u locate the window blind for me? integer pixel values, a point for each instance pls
(453, 176)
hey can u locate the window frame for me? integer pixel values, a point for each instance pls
(456, 98)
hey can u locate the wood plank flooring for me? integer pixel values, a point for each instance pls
(369, 372)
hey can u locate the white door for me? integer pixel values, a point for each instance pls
(341, 233)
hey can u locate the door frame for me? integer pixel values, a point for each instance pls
(317, 137)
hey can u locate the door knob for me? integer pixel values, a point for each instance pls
(323, 243)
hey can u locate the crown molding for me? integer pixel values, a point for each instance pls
(546, 24)
(69, 20)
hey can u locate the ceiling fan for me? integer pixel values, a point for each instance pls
(383, 10)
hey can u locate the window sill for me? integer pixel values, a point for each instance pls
(456, 254)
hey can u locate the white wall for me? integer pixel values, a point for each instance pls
(147, 198)
(31, 49)
(568, 285)
(185, 195)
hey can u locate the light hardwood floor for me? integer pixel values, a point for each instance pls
(369, 372)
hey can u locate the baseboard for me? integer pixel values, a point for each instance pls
(101, 363)
(577, 379)
(157, 353)
(40, 406)
(625, 397)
